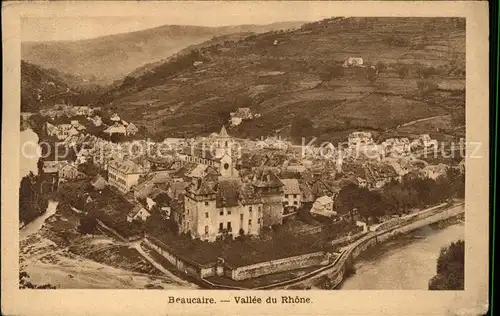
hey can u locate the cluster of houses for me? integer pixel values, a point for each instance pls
(214, 190)
(121, 127)
(61, 110)
(63, 131)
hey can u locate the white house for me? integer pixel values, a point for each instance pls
(292, 196)
(138, 213)
(323, 206)
(353, 62)
(123, 175)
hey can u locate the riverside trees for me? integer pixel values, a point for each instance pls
(449, 268)
(31, 203)
(398, 198)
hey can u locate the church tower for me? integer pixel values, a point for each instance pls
(223, 143)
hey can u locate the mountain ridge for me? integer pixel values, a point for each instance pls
(126, 51)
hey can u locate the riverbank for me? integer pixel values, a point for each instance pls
(52, 251)
(337, 272)
(403, 263)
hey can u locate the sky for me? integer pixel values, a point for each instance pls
(66, 24)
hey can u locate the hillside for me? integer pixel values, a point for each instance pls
(296, 76)
(42, 87)
(128, 51)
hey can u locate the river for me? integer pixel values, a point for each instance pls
(403, 264)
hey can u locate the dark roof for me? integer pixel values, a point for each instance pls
(199, 152)
(266, 178)
(228, 193)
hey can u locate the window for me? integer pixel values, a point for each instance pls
(206, 230)
(206, 203)
(228, 212)
(221, 226)
(294, 202)
(260, 209)
(229, 228)
(295, 196)
(241, 217)
(221, 212)
(250, 209)
(286, 196)
(258, 220)
(249, 222)
(188, 211)
(206, 214)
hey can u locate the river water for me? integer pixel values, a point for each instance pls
(403, 264)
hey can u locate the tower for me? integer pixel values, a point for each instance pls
(223, 143)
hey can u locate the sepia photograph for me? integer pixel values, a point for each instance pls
(226, 150)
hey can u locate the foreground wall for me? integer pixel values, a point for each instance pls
(280, 265)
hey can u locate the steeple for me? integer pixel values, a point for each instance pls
(223, 132)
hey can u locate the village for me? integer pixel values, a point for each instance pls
(227, 210)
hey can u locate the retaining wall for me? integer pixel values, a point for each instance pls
(279, 265)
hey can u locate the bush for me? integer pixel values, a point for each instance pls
(426, 86)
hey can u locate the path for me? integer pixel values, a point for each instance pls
(137, 246)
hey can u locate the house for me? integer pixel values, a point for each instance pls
(235, 120)
(123, 175)
(116, 128)
(360, 139)
(270, 188)
(115, 118)
(323, 206)
(397, 146)
(225, 207)
(292, 196)
(97, 121)
(151, 181)
(70, 172)
(353, 62)
(424, 141)
(49, 172)
(138, 213)
(379, 174)
(99, 183)
(435, 171)
(131, 129)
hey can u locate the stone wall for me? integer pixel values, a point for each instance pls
(337, 272)
(280, 265)
(189, 268)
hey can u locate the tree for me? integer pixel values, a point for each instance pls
(426, 72)
(403, 71)
(331, 73)
(450, 268)
(426, 86)
(301, 127)
(371, 74)
(381, 66)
